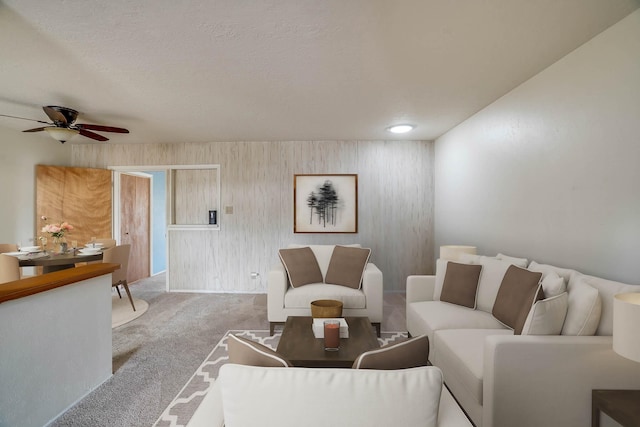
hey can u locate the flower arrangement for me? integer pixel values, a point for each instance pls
(57, 231)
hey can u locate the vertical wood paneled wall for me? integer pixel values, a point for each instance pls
(395, 205)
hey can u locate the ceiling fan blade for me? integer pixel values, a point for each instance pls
(22, 118)
(54, 115)
(36, 129)
(92, 135)
(101, 128)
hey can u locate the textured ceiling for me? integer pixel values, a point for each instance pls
(242, 70)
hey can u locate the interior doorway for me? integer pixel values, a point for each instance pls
(157, 229)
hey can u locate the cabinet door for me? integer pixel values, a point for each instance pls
(80, 196)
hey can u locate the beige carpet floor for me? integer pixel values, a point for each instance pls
(156, 354)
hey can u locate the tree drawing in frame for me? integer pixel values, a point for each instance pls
(325, 203)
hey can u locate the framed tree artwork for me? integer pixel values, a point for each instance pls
(325, 203)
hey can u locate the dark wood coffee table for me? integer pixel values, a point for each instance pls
(303, 349)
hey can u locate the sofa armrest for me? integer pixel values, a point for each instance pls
(372, 286)
(547, 380)
(420, 288)
(277, 284)
(209, 413)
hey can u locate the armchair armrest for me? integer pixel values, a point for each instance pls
(277, 284)
(547, 380)
(420, 288)
(373, 290)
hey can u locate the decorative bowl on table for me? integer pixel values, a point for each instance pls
(326, 308)
(30, 249)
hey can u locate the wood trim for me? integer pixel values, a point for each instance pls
(36, 284)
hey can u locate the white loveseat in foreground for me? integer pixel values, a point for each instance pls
(505, 380)
(283, 300)
(250, 396)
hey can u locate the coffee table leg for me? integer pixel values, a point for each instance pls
(378, 327)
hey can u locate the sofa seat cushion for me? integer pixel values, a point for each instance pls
(437, 315)
(459, 353)
(301, 297)
(316, 397)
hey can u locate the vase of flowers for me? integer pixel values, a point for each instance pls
(57, 232)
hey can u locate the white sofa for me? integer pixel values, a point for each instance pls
(504, 380)
(284, 300)
(248, 396)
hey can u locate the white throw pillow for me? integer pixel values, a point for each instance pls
(493, 271)
(547, 316)
(584, 310)
(553, 285)
(520, 262)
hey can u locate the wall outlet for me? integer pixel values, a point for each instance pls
(254, 275)
(228, 210)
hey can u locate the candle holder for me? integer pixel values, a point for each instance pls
(331, 335)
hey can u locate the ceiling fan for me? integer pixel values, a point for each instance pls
(64, 127)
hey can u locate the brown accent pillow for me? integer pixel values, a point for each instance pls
(246, 352)
(519, 290)
(411, 353)
(460, 284)
(301, 265)
(347, 266)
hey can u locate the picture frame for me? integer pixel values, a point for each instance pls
(325, 203)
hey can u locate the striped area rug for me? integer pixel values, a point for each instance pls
(181, 409)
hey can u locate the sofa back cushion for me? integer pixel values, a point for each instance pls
(545, 269)
(493, 271)
(520, 262)
(315, 397)
(301, 265)
(460, 284)
(346, 266)
(585, 308)
(406, 354)
(519, 290)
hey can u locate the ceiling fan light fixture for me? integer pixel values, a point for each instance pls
(403, 128)
(61, 134)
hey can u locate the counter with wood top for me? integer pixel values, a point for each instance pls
(55, 332)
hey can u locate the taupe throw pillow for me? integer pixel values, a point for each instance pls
(460, 284)
(301, 265)
(347, 266)
(519, 290)
(246, 352)
(411, 353)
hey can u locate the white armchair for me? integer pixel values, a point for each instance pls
(283, 300)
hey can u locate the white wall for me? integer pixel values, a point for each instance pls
(551, 171)
(56, 348)
(20, 152)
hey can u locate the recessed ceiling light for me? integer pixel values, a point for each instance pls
(401, 128)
